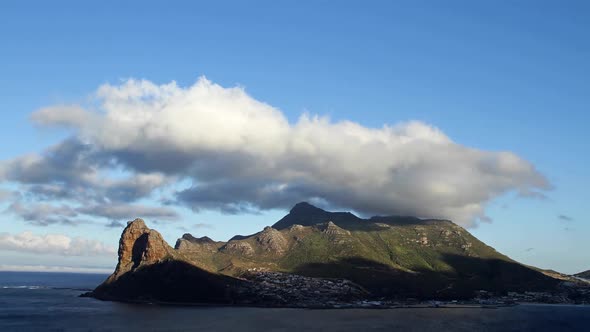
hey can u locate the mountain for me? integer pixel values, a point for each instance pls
(305, 214)
(585, 275)
(149, 269)
(392, 257)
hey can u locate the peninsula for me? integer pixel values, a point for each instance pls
(315, 258)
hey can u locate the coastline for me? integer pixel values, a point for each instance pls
(367, 304)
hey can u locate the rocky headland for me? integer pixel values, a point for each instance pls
(315, 258)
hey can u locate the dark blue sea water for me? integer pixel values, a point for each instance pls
(50, 302)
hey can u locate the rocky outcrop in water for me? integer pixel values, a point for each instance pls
(139, 246)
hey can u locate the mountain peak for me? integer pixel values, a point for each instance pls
(137, 224)
(303, 214)
(304, 208)
(306, 214)
(189, 237)
(139, 244)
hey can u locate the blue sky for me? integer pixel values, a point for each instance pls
(491, 76)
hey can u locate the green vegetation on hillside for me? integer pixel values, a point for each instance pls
(391, 256)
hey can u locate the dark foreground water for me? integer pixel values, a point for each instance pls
(50, 302)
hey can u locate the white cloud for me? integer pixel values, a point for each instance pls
(242, 154)
(6, 195)
(49, 268)
(57, 244)
(72, 168)
(203, 225)
(129, 211)
(43, 214)
(66, 115)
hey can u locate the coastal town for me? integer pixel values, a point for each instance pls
(289, 290)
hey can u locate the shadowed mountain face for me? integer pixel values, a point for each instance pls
(394, 257)
(305, 214)
(585, 275)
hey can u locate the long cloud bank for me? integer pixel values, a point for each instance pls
(57, 244)
(238, 154)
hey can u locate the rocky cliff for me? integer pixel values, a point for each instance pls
(140, 246)
(150, 270)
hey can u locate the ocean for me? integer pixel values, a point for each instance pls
(50, 302)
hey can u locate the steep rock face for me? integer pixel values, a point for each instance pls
(138, 246)
(150, 270)
(335, 233)
(271, 240)
(585, 275)
(156, 249)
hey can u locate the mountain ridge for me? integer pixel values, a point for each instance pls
(388, 257)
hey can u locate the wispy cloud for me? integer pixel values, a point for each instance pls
(115, 224)
(202, 225)
(242, 155)
(7, 195)
(57, 244)
(128, 211)
(43, 214)
(50, 268)
(563, 217)
(195, 227)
